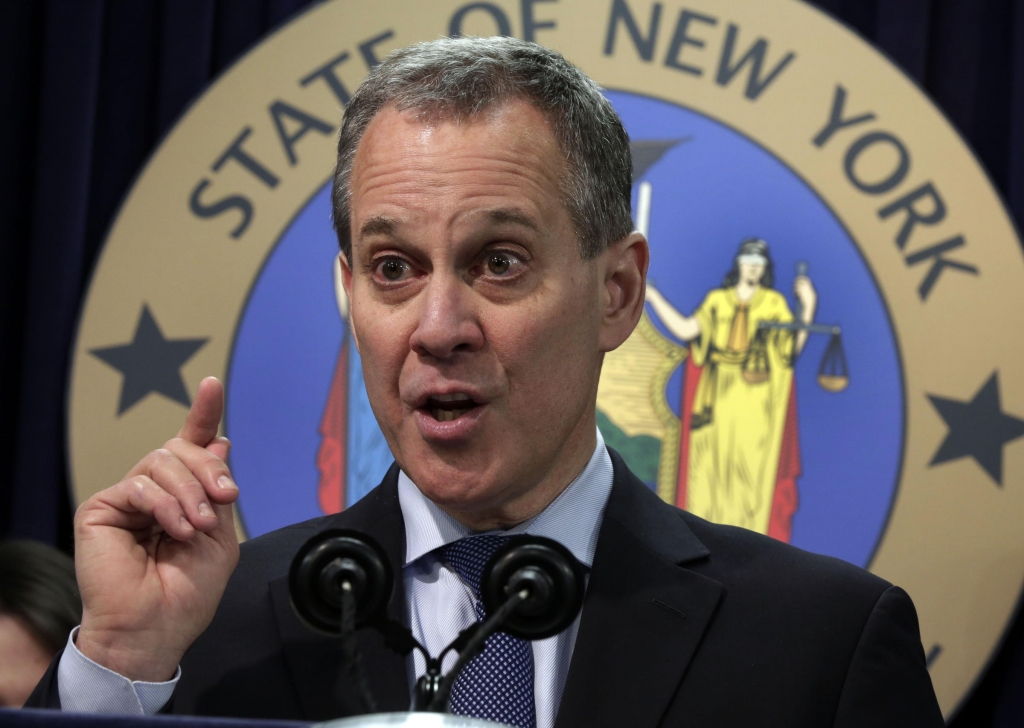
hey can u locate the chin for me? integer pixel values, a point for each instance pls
(467, 498)
(452, 479)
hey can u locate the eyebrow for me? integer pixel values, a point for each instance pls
(512, 216)
(378, 225)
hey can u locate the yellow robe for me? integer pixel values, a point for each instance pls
(737, 426)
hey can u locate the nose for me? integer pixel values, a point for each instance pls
(448, 322)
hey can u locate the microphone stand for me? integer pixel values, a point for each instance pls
(432, 689)
(350, 649)
(479, 634)
(340, 580)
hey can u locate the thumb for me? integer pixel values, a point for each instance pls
(203, 417)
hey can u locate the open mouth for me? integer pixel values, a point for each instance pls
(449, 407)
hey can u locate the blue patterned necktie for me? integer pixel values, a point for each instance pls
(497, 684)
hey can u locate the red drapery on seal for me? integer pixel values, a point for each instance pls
(330, 457)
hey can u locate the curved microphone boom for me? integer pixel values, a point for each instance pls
(532, 588)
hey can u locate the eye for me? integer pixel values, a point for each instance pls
(503, 264)
(393, 269)
(499, 263)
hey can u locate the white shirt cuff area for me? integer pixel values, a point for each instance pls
(88, 687)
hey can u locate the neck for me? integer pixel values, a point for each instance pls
(745, 291)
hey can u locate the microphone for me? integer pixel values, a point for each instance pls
(324, 566)
(551, 578)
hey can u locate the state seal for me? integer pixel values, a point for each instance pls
(826, 355)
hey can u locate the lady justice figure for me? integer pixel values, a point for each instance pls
(739, 452)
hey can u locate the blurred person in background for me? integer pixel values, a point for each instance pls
(39, 606)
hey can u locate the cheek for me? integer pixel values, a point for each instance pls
(382, 350)
(547, 356)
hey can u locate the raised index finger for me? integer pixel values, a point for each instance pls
(203, 417)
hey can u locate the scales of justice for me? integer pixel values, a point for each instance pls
(833, 372)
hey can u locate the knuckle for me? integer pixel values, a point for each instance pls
(190, 490)
(138, 483)
(158, 458)
(163, 455)
(180, 488)
(211, 469)
(166, 506)
(176, 443)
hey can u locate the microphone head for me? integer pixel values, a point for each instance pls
(551, 575)
(323, 563)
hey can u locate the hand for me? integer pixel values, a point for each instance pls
(154, 552)
(804, 291)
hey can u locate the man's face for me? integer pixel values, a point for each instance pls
(480, 327)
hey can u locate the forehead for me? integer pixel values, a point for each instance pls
(517, 121)
(505, 154)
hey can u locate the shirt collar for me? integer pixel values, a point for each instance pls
(573, 518)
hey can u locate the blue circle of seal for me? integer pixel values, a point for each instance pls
(712, 189)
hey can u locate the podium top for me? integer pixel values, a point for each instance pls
(45, 718)
(37, 718)
(410, 720)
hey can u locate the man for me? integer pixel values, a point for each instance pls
(482, 205)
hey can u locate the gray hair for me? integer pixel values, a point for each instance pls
(457, 78)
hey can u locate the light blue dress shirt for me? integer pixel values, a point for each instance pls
(439, 603)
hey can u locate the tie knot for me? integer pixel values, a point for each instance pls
(469, 555)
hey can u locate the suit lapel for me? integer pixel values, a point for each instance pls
(644, 614)
(313, 659)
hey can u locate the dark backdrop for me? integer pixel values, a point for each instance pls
(88, 88)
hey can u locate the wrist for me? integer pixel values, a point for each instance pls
(126, 656)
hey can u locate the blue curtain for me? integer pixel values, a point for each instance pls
(88, 87)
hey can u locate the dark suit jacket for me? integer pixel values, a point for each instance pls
(685, 623)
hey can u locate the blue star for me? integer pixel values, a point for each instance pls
(978, 429)
(150, 363)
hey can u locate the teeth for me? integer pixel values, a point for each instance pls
(458, 397)
(448, 407)
(447, 415)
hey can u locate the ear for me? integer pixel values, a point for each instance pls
(343, 291)
(623, 267)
